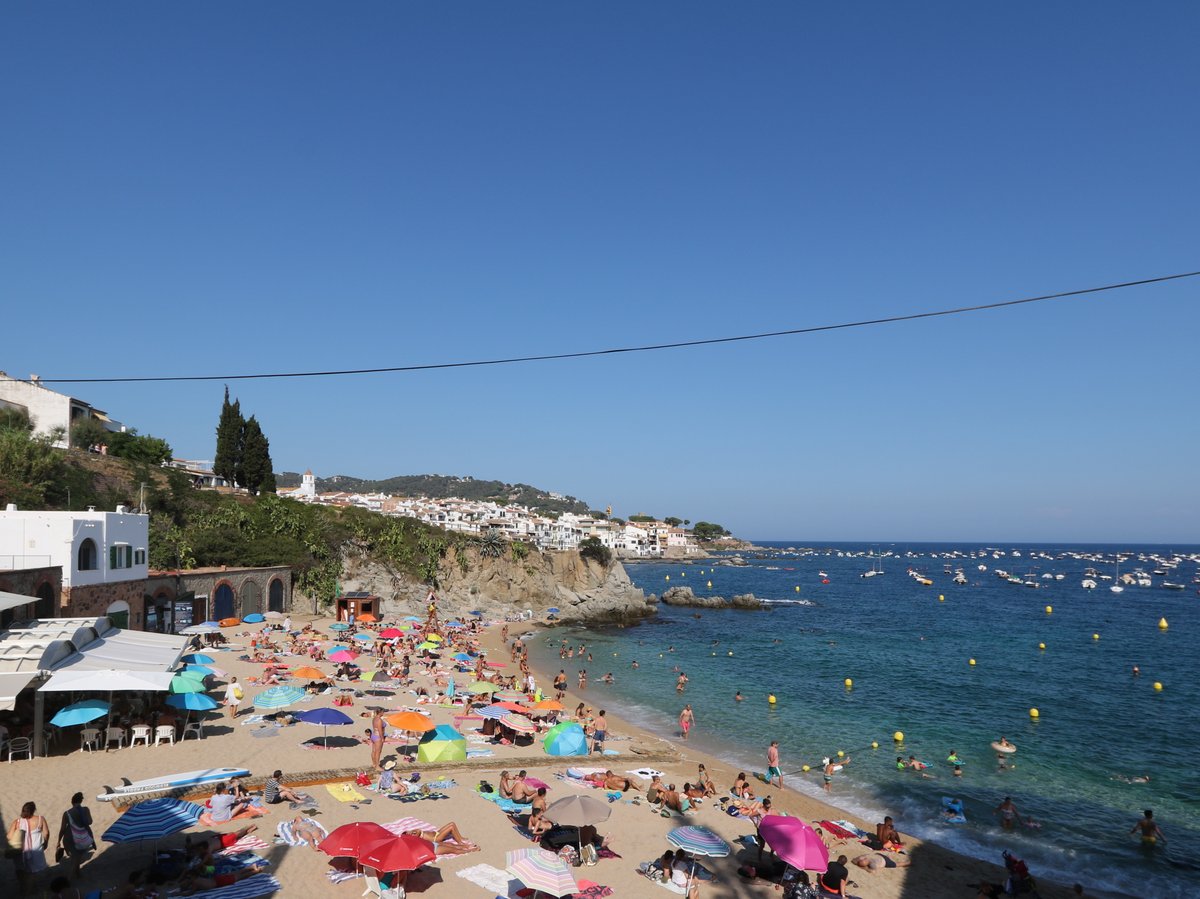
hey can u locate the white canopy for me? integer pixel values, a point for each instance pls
(12, 683)
(14, 600)
(109, 680)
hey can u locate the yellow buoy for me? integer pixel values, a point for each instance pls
(1049, 609)
(941, 597)
(898, 736)
(797, 588)
(771, 699)
(805, 769)
(1095, 636)
(1034, 713)
(971, 663)
(848, 682)
(1157, 687)
(1162, 624)
(841, 754)
(874, 744)
(1041, 646)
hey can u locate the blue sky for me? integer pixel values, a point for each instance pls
(221, 188)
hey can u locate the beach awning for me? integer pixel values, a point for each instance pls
(11, 684)
(106, 681)
(14, 600)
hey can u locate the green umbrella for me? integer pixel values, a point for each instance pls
(482, 686)
(183, 683)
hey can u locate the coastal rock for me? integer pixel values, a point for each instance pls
(685, 596)
(581, 589)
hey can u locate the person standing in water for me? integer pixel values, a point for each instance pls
(1151, 833)
(686, 719)
(773, 769)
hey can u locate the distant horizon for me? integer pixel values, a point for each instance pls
(1004, 545)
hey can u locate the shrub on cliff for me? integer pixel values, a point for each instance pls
(592, 548)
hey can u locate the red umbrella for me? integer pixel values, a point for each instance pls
(391, 633)
(354, 838)
(403, 853)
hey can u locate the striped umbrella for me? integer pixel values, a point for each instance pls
(401, 826)
(492, 711)
(278, 697)
(698, 840)
(519, 723)
(153, 820)
(510, 696)
(541, 870)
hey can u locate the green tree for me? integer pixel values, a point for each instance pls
(89, 431)
(592, 548)
(705, 530)
(255, 465)
(673, 521)
(137, 448)
(642, 517)
(13, 419)
(30, 468)
(229, 440)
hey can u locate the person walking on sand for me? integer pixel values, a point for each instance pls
(75, 834)
(28, 836)
(773, 770)
(1151, 834)
(233, 696)
(686, 720)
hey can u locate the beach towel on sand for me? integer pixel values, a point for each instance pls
(284, 832)
(506, 805)
(344, 793)
(258, 885)
(492, 879)
(248, 843)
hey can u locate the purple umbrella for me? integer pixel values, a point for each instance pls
(324, 717)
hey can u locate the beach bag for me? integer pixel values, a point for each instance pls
(81, 837)
(237, 693)
(16, 840)
(569, 855)
(363, 779)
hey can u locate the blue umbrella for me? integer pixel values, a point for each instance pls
(364, 637)
(476, 613)
(553, 610)
(410, 618)
(340, 626)
(254, 618)
(566, 738)
(492, 711)
(455, 624)
(192, 702)
(212, 624)
(198, 671)
(80, 713)
(463, 657)
(278, 697)
(197, 658)
(153, 820)
(324, 717)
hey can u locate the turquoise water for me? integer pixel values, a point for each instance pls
(908, 655)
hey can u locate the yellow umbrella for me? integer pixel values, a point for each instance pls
(434, 638)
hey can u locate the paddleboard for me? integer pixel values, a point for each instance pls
(1005, 749)
(170, 782)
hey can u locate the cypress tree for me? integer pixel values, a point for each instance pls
(256, 457)
(229, 440)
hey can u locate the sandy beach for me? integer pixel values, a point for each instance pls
(636, 833)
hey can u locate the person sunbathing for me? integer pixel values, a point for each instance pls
(674, 801)
(192, 882)
(442, 837)
(205, 846)
(514, 789)
(306, 830)
(609, 781)
(538, 824)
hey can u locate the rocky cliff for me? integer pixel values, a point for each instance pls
(581, 589)
(684, 596)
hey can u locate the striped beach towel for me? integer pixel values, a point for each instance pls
(258, 885)
(284, 832)
(248, 843)
(402, 825)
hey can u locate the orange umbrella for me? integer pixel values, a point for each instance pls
(549, 705)
(309, 672)
(413, 722)
(366, 616)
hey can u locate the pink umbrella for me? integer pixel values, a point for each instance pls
(794, 842)
(343, 655)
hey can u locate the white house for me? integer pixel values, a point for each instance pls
(47, 409)
(102, 554)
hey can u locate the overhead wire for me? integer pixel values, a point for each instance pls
(644, 348)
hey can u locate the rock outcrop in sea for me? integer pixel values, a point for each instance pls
(685, 596)
(583, 590)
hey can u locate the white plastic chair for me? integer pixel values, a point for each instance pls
(372, 882)
(139, 732)
(195, 729)
(89, 739)
(20, 746)
(114, 735)
(164, 733)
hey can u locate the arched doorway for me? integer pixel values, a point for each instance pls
(275, 595)
(251, 598)
(46, 605)
(118, 614)
(222, 602)
(87, 557)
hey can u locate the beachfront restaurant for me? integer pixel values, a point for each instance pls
(77, 655)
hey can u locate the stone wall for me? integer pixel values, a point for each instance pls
(95, 599)
(244, 582)
(36, 583)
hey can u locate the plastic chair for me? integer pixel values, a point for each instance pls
(20, 746)
(114, 735)
(195, 728)
(372, 882)
(89, 739)
(164, 733)
(139, 732)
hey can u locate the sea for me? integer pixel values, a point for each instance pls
(907, 649)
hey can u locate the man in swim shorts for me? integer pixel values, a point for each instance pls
(1151, 833)
(686, 719)
(773, 769)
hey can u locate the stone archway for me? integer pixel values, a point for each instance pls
(275, 595)
(47, 601)
(118, 614)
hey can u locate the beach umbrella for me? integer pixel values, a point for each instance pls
(578, 811)
(482, 686)
(426, 645)
(455, 623)
(566, 738)
(211, 624)
(197, 658)
(548, 705)
(153, 820)
(192, 702)
(368, 617)
(442, 744)
(325, 717)
(198, 671)
(508, 705)
(80, 713)
(353, 839)
(391, 633)
(462, 656)
(186, 683)
(519, 723)
(309, 672)
(339, 626)
(794, 842)
(434, 638)
(476, 613)
(254, 618)
(553, 610)
(403, 853)
(698, 840)
(492, 711)
(496, 664)
(278, 697)
(363, 637)
(411, 618)
(195, 630)
(541, 870)
(273, 615)
(413, 722)
(343, 655)
(510, 695)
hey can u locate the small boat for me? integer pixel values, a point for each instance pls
(1088, 584)
(170, 782)
(1168, 585)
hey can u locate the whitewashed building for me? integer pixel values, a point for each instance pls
(48, 409)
